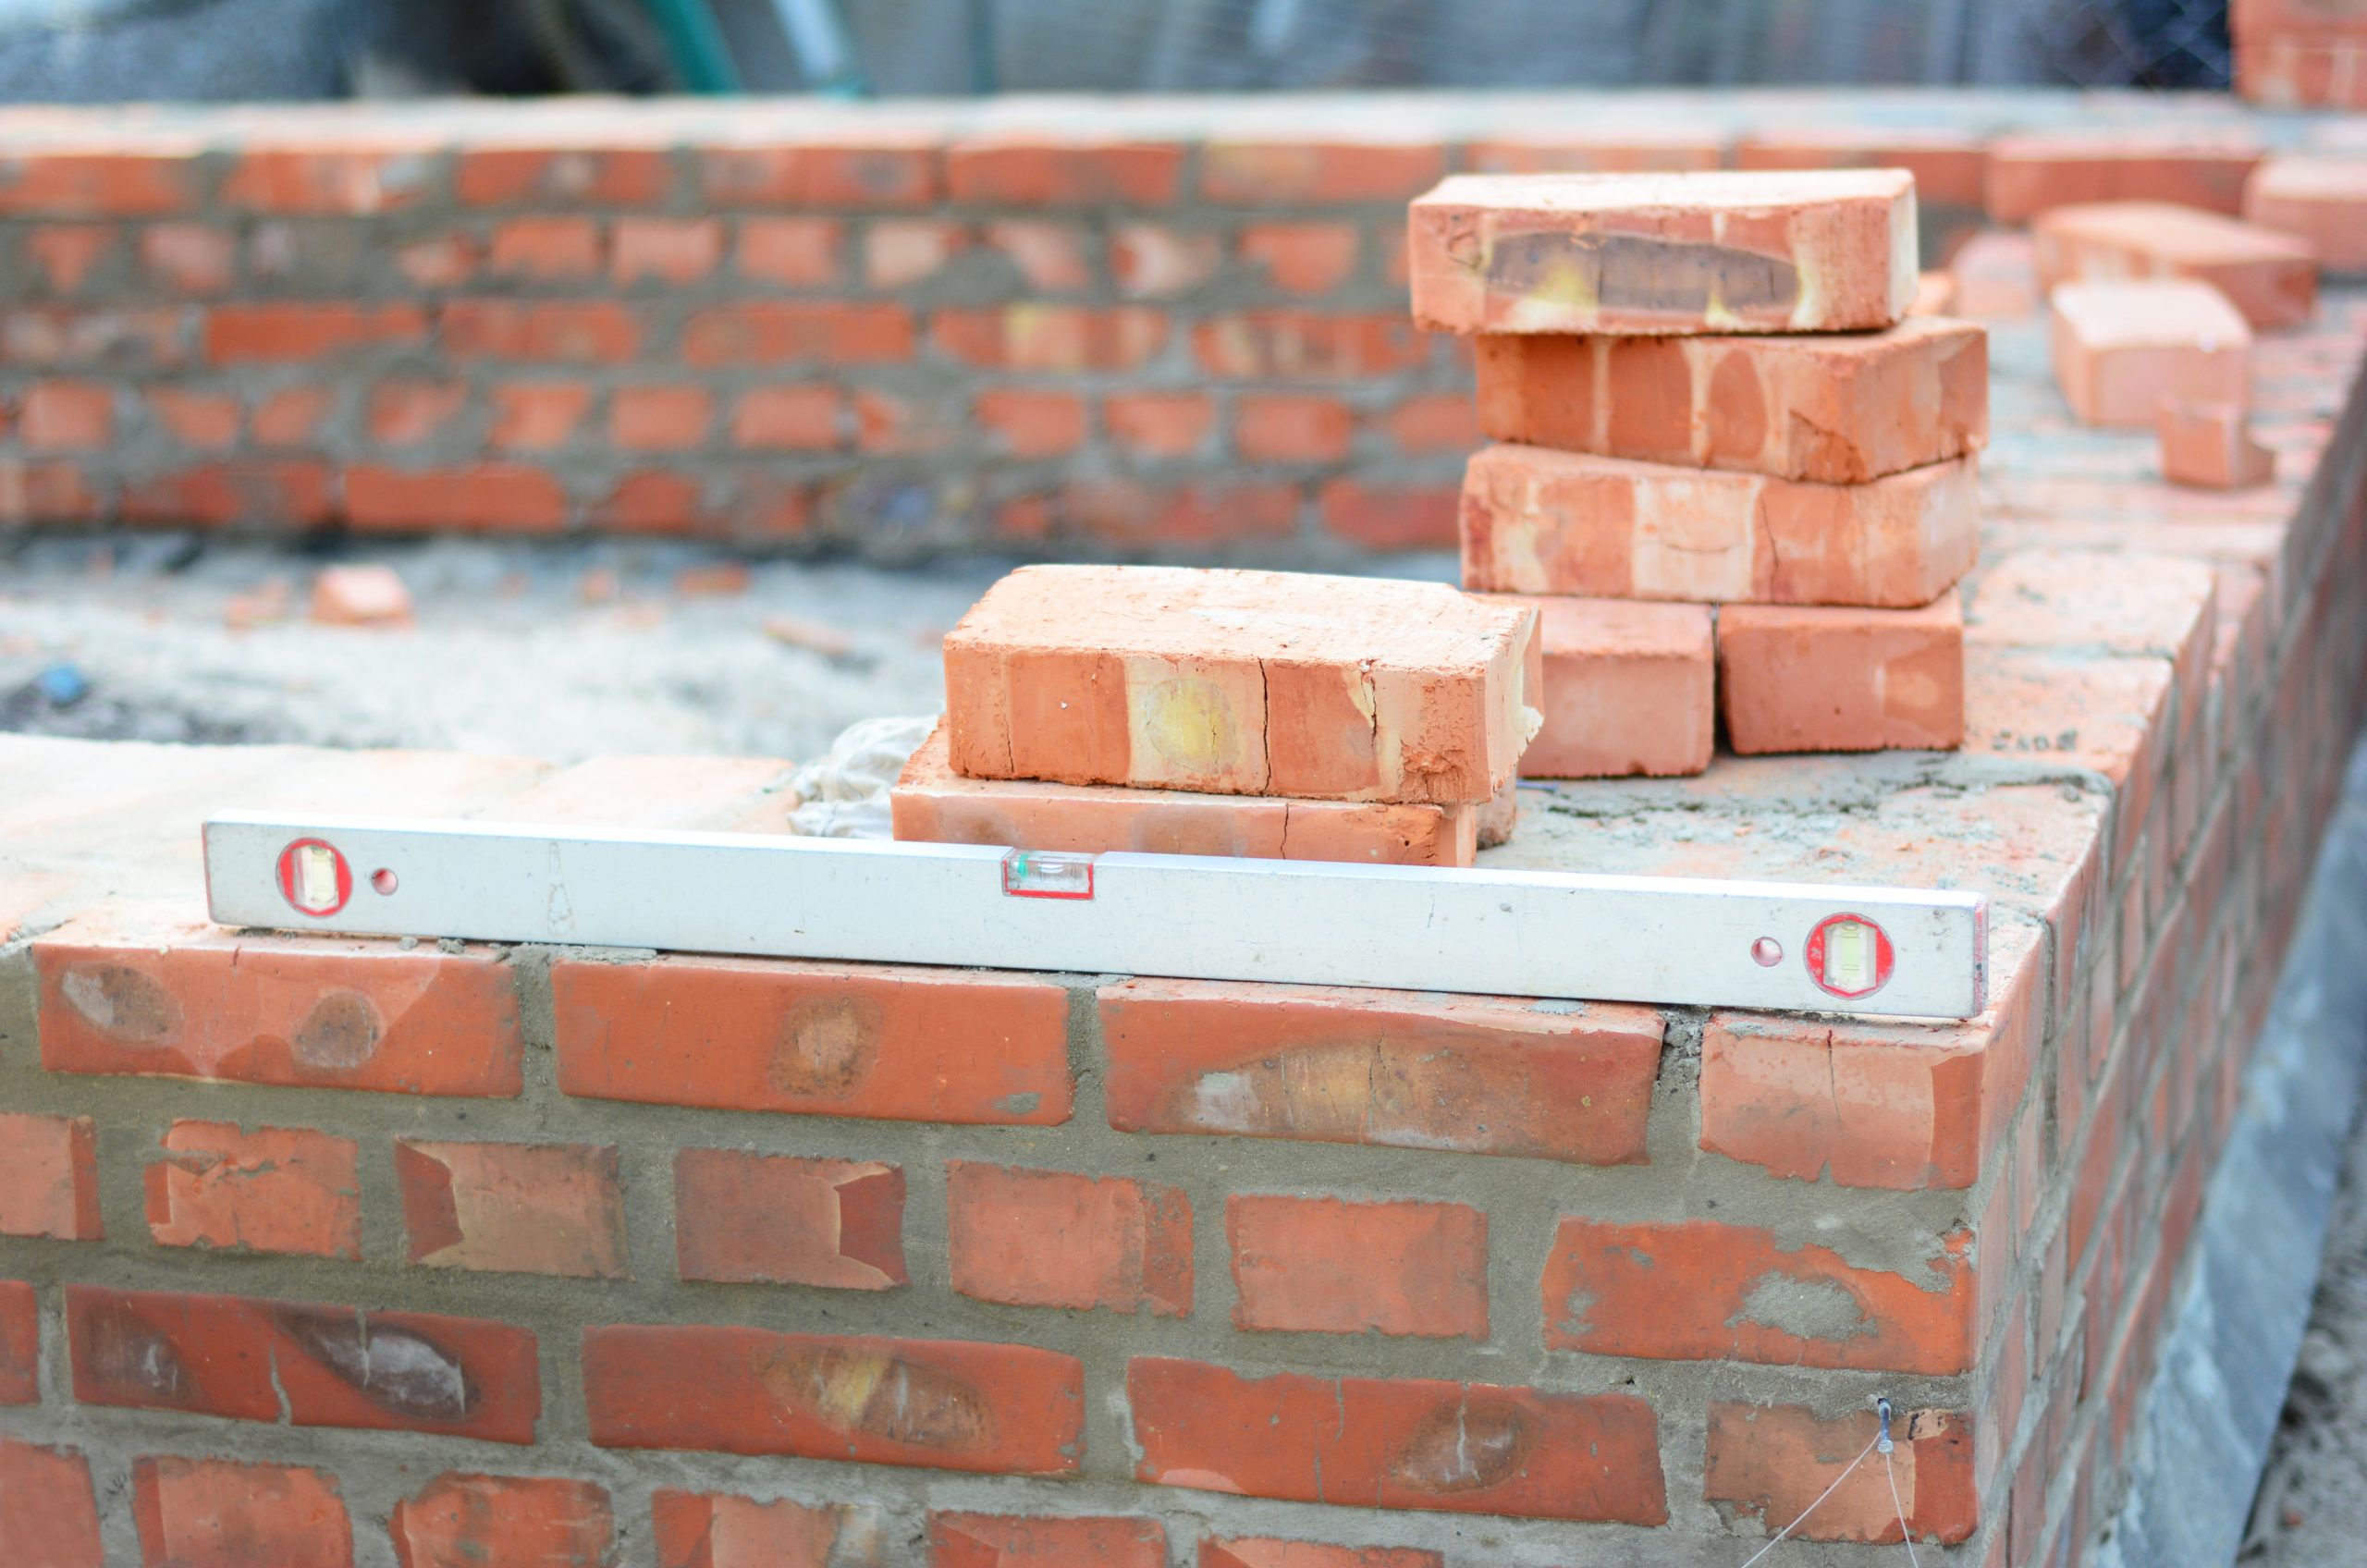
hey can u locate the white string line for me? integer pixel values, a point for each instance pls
(1812, 1508)
(1904, 1535)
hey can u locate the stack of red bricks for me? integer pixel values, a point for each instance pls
(2292, 54)
(1272, 714)
(1717, 427)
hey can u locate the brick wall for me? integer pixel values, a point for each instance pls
(443, 1254)
(1175, 326)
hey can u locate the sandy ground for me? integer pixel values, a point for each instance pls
(560, 653)
(2312, 1512)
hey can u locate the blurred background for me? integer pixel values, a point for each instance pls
(99, 51)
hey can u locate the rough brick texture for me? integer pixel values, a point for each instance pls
(1239, 683)
(1540, 522)
(1628, 687)
(271, 1190)
(932, 803)
(2121, 347)
(2271, 278)
(1828, 250)
(1829, 678)
(1047, 1238)
(1322, 1264)
(1836, 409)
(214, 1513)
(786, 1221)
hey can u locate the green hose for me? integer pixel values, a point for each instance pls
(702, 60)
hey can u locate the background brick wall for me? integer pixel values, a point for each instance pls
(1165, 327)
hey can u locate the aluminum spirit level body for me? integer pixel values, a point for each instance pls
(1515, 933)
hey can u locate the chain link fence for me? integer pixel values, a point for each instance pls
(97, 50)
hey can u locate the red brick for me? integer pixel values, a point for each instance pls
(267, 495)
(821, 174)
(115, 338)
(2320, 200)
(781, 1220)
(831, 333)
(64, 416)
(20, 1349)
(218, 1513)
(1701, 1290)
(1627, 688)
(807, 418)
(798, 252)
(546, 250)
(1540, 522)
(2029, 174)
(124, 993)
(275, 332)
(342, 180)
(899, 252)
(986, 1541)
(188, 257)
(1834, 409)
(1250, 1552)
(291, 417)
(67, 254)
(536, 417)
(1329, 1266)
(1368, 1442)
(528, 1208)
(655, 419)
(49, 1515)
(590, 333)
(444, 262)
(1050, 258)
(1290, 346)
(480, 1521)
(1771, 1462)
(654, 503)
(1159, 424)
(1033, 337)
(1950, 166)
(1292, 430)
(2210, 445)
(1832, 679)
(1434, 422)
(1996, 277)
(668, 251)
(49, 1177)
(2270, 278)
(405, 413)
(877, 1041)
(273, 1190)
(607, 176)
(1494, 253)
(1023, 171)
(1046, 1238)
(932, 802)
(1032, 424)
(1900, 1106)
(359, 595)
(1328, 1064)
(105, 184)
(1151, 262)
(243, 1358)
(501, 497)
(719, 1530)
(1302, 258)
(1388, 517)
(1026, 696)
(1314, 174)
(941, 1404)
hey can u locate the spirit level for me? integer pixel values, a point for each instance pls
(1515, 933)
